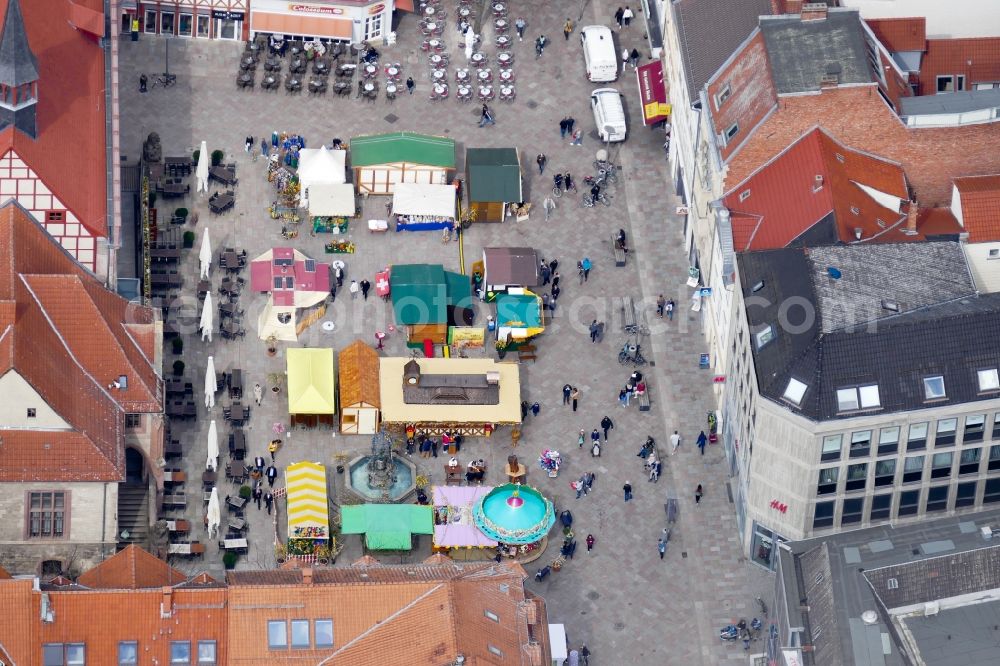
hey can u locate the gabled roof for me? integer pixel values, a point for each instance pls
(426, 293)
(407, 147)
(900, 34)
(709, 31)
(494, 175)
(69, 338)
(517, 266)
(808, 195)
(357, 366)
(979, 206)
(977, 58)
(69, 152)
(311, 389)
(131, 569)
(17, 62)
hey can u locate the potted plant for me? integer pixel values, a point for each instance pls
(178, 345)
(501, 347)
(245, 492)
(280, 552)
(275, 379)
(195, 155)
(229, 559)
(178, 368)
(188, 240)
(323, 554)
(217, 156)
(182, 213)
(341, 458)
(272, 345)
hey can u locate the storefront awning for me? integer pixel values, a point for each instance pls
(311, 26)
(653, 93)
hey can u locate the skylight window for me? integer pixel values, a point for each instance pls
(763, 336)
(858, 397)
(847, 399)
(892, 306)
(989, 380)
(869, 396)
(795, 391)
(934, 387)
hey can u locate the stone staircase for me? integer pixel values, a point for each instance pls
(133, 514)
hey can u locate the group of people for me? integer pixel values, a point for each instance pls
(651, 462)
(634, 387)
(665, 307)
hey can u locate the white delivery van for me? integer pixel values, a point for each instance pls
(609, 114)
(599, 53)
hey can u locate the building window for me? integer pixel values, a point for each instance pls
(913, 469)
(946, 84)
(885, 472)
(831, 448)
(937, 498)
(491, 615)
(149, 25)
(323, 630)
(373, 27)
(861, 444)
(847, 400)
(965, 494)
(206, 653)
(494, 650)
(277, 634)
(180, 652)
(974, 427)
(857, 475)
(994, 253)
(166, 23)
(32, 412)
(961, 82)
(945, 434)
(731, 131)
(300, 634)
(227, 29)
(934, 388)
(881, 507)
(185, 25)
(941, 465)
(968, 461)
(827, 481)
(133, 421)
(994, 462)
(794, 391)
(723, 95)
(64, 654)
(763, 336)
(888, 440)
(917, 437)
(853, 510)
(744, 195)
(996, 426)
(203, 21)
(988, 379)
(47, 515)
(858, 397)
(991, 491)
(128, 653)
(823, 515)
(909, 502)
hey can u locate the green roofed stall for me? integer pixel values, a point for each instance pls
(427, 299)
(380, 161)
(387, 526)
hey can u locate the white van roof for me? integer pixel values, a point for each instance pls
(600, 32)
(613, 112)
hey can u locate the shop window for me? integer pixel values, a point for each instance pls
(203, 22)
(965, 494)
(827, 481)
(909, 502)
(991, 491)
(831, 448)
(968, 461)
(888, 440)
(225, 28)
(857, 476)
(937, 498)
(881, 507)
(974, 428)
(994, 461)
(853, 510)
(185, 25)
(941, 465)
(373, 26)
(861, 444)
(913, 469)
(762, 549)
(917, 437)
(885, 472)
(149, 25)
(945, 434)
(823, 515)
(166, 23)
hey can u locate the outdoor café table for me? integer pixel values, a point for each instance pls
(168, 253)
(392, 71)
(369, 86)
(239, 444)
(234, 544)
(390, 89)
(503, 42)
(429, 11)
(174, 500)
(194, 548)
(434, 44)
(230, 260)
(238, 503)
(485, 75)
(174, 386)
(204, 286)
(272, 64)
(505, 58)
(235, 523)
(166, 280)
(430, 27)
(181, 526)
(175, 408)
(478, 58)
(223, 174)
(500, 24)
(221, 202)
(247, 63)
(464, 92)
(268, 82)
(321, 67)
(228, 309)
(461, 75)
(236, 383)
(172, 449)
(499, 9)
(485, 92)
(439, 75)
(245, 80)
(370, 71)
(464, 12)
(436, 59)
(174, 476)
(507, 92)
(506, 75)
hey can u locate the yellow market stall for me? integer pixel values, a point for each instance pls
(308, 512)
(311, 393)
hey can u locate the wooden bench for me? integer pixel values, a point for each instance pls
(627, 306)
(643, 400)
(619, 252)
(526, 353)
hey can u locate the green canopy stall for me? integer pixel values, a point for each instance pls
(387, 526)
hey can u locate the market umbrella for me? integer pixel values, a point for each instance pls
(214, 513)
(207, 318)
(201, 171)
(213, 447)
(205, 254)
(210, 383)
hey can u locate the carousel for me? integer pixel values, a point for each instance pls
(517, 517)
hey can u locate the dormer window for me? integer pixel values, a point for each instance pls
(794, 391)
(988, 380)
(934, 388)
(763, 336)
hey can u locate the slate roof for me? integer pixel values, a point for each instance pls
(803, 52)
(18, 64)
(493, 175)
(709, 31)
(402, 147)
(979, 199)
(838, 333)
(900, 34)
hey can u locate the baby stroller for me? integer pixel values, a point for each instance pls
(566, 517)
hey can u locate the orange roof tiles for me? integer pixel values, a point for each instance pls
(976, 58)
(979, 199)
(19, 631)
(131, 569)
(69, 153)
(900, 34)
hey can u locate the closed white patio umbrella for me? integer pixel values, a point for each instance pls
(214, 513)
(201, 171)
(205, 253)
(470, 42)
(213, 447)
(207, 318)
(210, 383)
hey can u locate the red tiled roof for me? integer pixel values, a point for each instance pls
(900, 34)
(68, 337)
(812, 178)
(69, 153)
(131, 569)
(19, 608)
(979, 198)
(953, 56)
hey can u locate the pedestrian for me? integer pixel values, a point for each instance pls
(562, 128)
(590, 542)
(410, 85)
(520, 24)
(634, 57)
(546, 273)
(585, 653)
(670, 309)
(697, 494)
(354, 289)
(258, 464)
(567, 389)
(593, 331)
(434, 446)
(581, 439)
(607, 424)
(627, 488)
(365, 286)
(702, 441)
(549, 205)
(595, 435)
(675, 441)
(567, 29)
(524, 409)
(578, 487)
(588, 481)
(661, 303)
(546, 305)
(577, 138)
(535, 408)
(619, 17)
(248, 144)
(540, 161)
(653, 475)
(555, 279)
(553, 265)
(585, 266)
(570, 121)
(540, 46)
(661, 546)
(627, 16)
(143, 80)
(338, 273)
(555, 292)
(625, 58)
(258, 394)
(257, 496)
(333, 292)
(623, 398)
(486, 118)
(272, 448)
(575, 397)
(269, 501)
(659, 470)
(272, 475)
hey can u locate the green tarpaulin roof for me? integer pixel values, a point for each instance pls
(494, 175)
(402, 147)
(521, 308)
(387, 526)
(422, 293)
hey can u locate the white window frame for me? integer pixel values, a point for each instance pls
(186, 661)
(299, 622)
(150, 27)
(284, 627)
(206, 660)
(869, 397)
(316, 624)
(206, 20)
(992, 380)
(847, 400)
(795, 391)
(491, 615)
(937, 84)
(190, 17)
(930, 392)
(732, 131)
(744, 195)
(722, 96)
(173, 22)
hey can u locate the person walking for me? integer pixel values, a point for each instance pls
(365, 286)
(257, 495)
(675, 442)
(269, 501)
(619, 17)
(553, 265)
(661, 303)
(585, 655)
(333, 292)
(661, 546)
(354, 289)
(654, 474)
(607, 424)
(567, 29)
(634, 58)
(562, 128)
(263, 147)
(595, 436)
(540, 161)
(486, 117)
(524, 409)
(570, 121)
(546, 273)
(567, 389)
(520, 24)
(258, 464)
(578, 486)
(625, 58)
(702, 441)
(410, 85)
(593, 331)
(575, 397)
(581, 439)
(555, 292)
(577, 138)
(549, 205)
(555, 279)
(590, 542)
(258, 394)
(272, 475)
(670, 309)
(248, 144)
(338, 273)
(535, 408)
(623, 398)
(697, 494)
(627, 16)
(585, 266)
(627, 489)
(272, 448)
(143, 80)
(540, 46)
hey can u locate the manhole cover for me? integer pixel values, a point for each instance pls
(619, 626)
(391, 118)
(593, 595)
(532, 104)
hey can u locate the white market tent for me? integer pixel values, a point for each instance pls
(320, 166)
(331, 199)
(422, 199)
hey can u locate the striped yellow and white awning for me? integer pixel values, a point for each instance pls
(308, 513)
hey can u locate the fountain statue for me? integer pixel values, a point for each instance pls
(381, 469)
(381, 476)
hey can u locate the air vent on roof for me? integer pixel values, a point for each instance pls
(931, 608)
(869, 617)
(829, 81)
(833, 272)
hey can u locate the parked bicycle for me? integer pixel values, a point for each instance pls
(631, 353)
(164, 81)
(589, 201)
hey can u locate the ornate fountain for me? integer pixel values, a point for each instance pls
(381, 476)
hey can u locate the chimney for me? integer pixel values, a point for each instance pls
(813, 11)
(167, 603)
(911, 217)
(307, 576)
